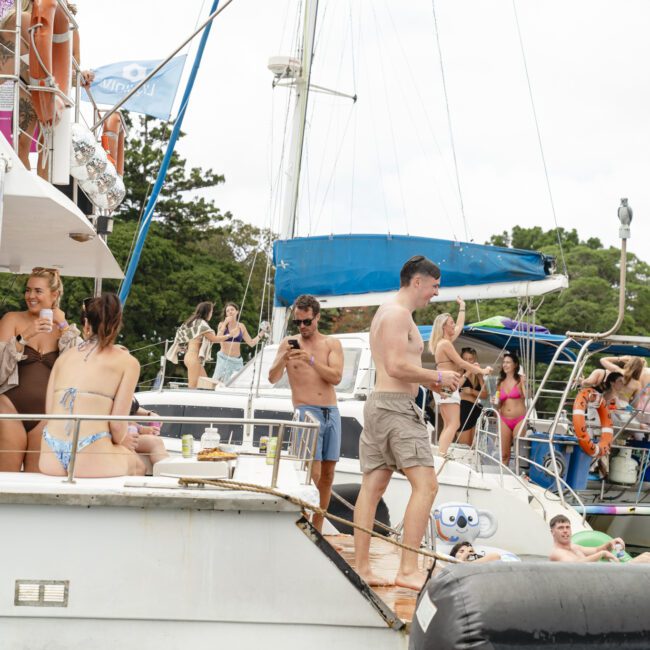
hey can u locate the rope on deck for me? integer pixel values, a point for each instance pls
(260, 489)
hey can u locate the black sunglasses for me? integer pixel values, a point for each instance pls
(302, 321)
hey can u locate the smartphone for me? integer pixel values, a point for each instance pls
(293, 343)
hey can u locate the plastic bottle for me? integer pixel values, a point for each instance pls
(210, 438)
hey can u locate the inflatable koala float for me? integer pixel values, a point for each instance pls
(462, 522)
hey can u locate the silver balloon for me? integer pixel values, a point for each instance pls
(112, 198)
(93, 168)
(83, 145)
(101, 183)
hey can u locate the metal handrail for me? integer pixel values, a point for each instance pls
(561, 480)
(483, 416)
(519, 480)
(311, 423)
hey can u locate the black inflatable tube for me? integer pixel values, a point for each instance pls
(503, 605)
(350, 492)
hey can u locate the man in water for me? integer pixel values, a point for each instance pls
(314, 366)
(565, 551)
(394, 436)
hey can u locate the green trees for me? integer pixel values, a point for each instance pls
(179, 215)
(193, 252)
(590, 302)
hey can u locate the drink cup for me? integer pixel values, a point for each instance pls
(618, 551)
(47, 314)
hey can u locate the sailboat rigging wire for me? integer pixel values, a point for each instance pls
(142, 234)
(336, 160)
(354, 130)
(425, 111)
(390, 124)
(451, 130)
(274, 217)
(539, 135)
(332, 113)
(519, 317)
(375, 140)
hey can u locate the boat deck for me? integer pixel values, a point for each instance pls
(384, 558)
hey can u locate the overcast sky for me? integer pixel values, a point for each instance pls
(385, 163)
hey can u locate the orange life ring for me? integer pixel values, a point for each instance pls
(51, 44)
(584, 398)
(113, 141)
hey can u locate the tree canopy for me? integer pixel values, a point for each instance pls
(195, 252)
(179, 215)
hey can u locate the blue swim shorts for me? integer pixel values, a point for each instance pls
(329, 437)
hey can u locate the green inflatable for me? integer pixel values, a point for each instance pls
(593, 538)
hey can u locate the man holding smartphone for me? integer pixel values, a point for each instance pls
(314, 365)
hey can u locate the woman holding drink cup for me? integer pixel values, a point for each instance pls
(444, 332)
(30, 342)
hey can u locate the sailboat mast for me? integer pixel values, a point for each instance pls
(290, 205)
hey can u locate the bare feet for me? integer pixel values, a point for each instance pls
(413, 580)
(375, 580)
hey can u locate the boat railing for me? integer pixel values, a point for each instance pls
(523, 460)
(490, 416)
(482, 429)
(300, 445)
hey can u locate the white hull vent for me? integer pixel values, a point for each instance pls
(41, 593)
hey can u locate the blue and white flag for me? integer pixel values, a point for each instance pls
(155, 98)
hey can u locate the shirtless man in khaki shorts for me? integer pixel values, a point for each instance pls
(394, 436)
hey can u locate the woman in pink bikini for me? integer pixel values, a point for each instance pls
(511, 402)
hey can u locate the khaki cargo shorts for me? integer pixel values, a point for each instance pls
(394, 435)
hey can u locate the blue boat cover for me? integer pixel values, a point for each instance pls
(340, 265)
(545, 344)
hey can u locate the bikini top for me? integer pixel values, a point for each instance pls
(68, 399)
(514, 393)
(234, 339)
(468, 384)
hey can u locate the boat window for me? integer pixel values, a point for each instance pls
(245, 379)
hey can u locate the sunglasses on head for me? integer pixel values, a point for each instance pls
(85, 304)
(302, 321)
(468, 351)
(41, 269)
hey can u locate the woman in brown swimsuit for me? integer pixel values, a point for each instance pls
(29, 346)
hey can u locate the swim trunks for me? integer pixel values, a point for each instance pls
(394, 435)
(329, 435)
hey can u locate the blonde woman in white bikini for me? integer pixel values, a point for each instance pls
(445, 331)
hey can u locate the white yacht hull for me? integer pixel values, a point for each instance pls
(155, 567)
